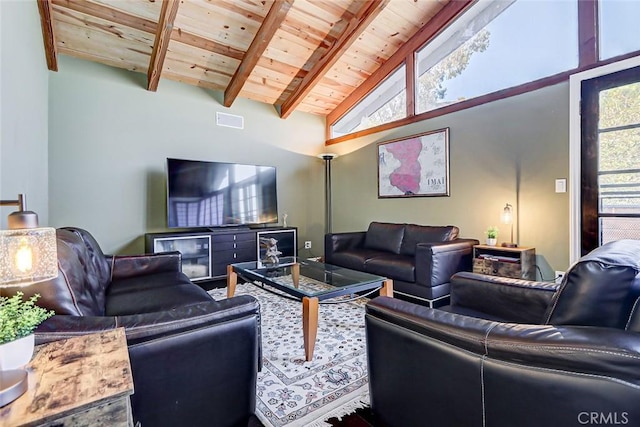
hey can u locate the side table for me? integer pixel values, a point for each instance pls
(518, 263)
(79, 381)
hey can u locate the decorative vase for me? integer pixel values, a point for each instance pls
(492, 242)
(15, 354)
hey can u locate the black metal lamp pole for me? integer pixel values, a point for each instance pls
(327, 157)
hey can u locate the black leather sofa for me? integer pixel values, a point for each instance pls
(420, 259)
(194, 360)
(510, 352)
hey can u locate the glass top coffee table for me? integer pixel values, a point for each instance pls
(328, 281)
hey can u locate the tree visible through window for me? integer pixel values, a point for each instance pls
(386, 103)
(496, 45)
(619, 161)
(431, 90)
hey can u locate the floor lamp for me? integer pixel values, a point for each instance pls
(27, 255)
(327, 157)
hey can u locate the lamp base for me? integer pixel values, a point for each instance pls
(14, 384)
(509, 245)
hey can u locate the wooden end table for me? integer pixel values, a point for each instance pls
(80, 381)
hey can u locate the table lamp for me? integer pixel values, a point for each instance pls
(27, 255)
(507, 218)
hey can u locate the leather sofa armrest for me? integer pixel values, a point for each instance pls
(588, 350)
(125, 266)
(337, 242)
(436, 262)
(513, 300)
(62, 326)
(148, 326)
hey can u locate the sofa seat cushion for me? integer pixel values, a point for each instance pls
(384, 236)
(354, 259)
(397, 267)
(161, 292)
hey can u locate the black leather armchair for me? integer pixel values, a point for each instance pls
(194, 360)
(510, 352)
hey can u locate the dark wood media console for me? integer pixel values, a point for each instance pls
(206, 253)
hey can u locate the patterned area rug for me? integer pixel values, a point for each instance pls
(292, 392)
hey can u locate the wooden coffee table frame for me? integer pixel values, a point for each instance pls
(310, 305)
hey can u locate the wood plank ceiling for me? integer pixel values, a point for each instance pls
(304, 55)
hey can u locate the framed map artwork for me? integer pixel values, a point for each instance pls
(414, 166)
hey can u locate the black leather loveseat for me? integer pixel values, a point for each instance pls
(510, 352)
(194, 360)
(420, 259)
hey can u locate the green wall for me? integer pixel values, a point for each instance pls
(110, 137)
(510, 150)
(23, 109)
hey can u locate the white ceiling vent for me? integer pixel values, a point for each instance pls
(229, 120)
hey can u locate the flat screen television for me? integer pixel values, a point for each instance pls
(203, 194)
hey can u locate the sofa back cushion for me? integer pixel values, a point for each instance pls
(414, 234)
(76, 291)
(600, 289)
(384, 236)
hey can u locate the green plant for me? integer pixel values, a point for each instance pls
(492, 232)
(18, 317)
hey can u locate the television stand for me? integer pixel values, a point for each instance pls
(206, 253)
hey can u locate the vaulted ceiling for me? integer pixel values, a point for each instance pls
(304, 55)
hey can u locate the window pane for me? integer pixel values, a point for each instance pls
(620, 106)
(619, 29)
(619, 149)
(619, 192)
(494, 46)
(619, 228)
(384, 104)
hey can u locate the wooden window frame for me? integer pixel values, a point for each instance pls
(589, 154)
(588, 41)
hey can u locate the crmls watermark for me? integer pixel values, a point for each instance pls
(603, 418)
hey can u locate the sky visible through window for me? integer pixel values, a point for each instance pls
(619, 29)
(531, 39)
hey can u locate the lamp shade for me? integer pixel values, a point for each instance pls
(27, 255)
(507, 214)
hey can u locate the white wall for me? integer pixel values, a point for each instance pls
(23, 109)
(110, 137)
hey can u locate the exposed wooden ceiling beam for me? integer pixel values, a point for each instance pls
(267, 30)
(44, 7)
(356, 26)
(448, 13)
(161, 43)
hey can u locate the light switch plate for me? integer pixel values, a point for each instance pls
(561, 185)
